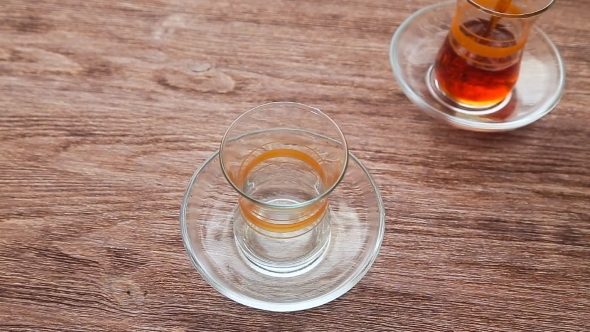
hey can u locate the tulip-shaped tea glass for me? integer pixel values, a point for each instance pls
(479, 64)
(284, 161)
(282, 217)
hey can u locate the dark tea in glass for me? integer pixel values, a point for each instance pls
(479, 62)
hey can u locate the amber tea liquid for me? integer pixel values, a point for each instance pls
(475, 71)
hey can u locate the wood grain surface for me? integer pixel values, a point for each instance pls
(108, 107)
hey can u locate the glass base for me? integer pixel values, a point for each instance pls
(413, 51)
(356, 226)
(447, 101)
(282, 256)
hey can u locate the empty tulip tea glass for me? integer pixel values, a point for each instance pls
(282, 217)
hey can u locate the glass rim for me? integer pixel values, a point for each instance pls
(298, 205)
(509, 15)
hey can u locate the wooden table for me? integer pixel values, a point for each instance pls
(108, 107)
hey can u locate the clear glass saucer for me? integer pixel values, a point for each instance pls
(357, 229)
(412, 53)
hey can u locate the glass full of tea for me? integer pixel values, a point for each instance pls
(478, 64)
